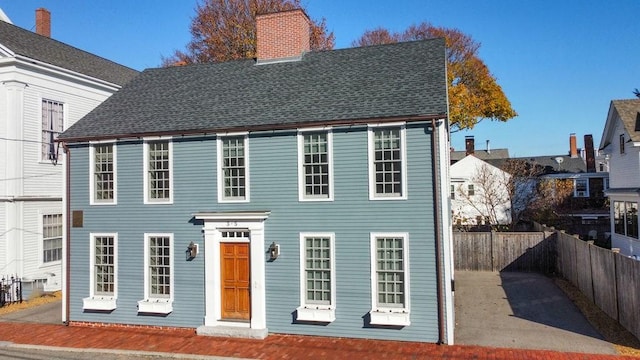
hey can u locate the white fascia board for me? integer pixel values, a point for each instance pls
(60, 72)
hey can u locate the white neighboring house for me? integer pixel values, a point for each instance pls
(478, 194)
(621, 143)
(45, 86)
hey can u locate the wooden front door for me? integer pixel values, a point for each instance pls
(236, 297)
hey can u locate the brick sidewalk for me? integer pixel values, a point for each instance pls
(185, 341)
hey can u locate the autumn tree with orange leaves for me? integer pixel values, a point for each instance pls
(474, 94)
(224, 30)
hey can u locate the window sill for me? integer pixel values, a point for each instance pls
(231, 201)
(390, 317)
(164, 202)
(155, 306)
(315, 199)
(386, 198)
(102, 203)
(310, 313)
(104, 303)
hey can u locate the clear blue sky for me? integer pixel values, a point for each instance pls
(559, 62)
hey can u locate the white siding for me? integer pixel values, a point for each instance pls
(43, 178)
(463, 174)
(21, 92)
(623, 168)
(3, 242)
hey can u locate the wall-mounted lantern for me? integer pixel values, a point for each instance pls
(192, 251)
(274, 251)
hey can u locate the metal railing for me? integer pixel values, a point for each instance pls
(10, 290)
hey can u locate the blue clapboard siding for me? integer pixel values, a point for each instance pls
(274, 186)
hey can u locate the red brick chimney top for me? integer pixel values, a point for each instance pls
(282, 36)
(573, 146)
(43, 22)
(470, 145)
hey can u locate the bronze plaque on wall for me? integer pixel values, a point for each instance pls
(76, 218)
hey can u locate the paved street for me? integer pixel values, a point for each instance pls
(29, 352)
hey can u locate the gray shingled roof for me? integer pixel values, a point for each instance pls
(480, 154)
(50, 51)
(629, 112)
(550, 164)
(386, 81)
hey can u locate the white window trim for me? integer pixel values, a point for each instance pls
(101, 302)
(65, 112)
(301, 177)
(371, 158)
(156, 305)
(145, 167)
(247, 189)
(380, 315)
(92, 200)
(41, 215)
(316, 312)
(575, 188)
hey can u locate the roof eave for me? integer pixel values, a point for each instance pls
(60, 71)
(269, 127)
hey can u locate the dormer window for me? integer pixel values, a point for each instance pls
(621, 143)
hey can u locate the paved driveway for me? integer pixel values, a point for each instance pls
(521, 310)
(50, 313)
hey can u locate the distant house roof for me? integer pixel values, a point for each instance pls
(481, 154)
(400, 81)
(53, 52)
(555, 164)
(629, 113)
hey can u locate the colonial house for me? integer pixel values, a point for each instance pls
(45, 87)
(299, 192)
(479, 194)
(621, 142)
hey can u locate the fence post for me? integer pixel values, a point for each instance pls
(616, 252)
(491, 241)
(593, 290)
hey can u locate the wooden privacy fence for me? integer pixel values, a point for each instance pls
(504, 251)
(610, 280)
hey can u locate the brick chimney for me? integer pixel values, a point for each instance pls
(282, 36)
(573, 147)
(469, 143)
(43, 22)
(589, 153)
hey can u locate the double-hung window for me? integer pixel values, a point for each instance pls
(52, 126)
(315, 165)
(390, 279)
(158, 274)
(51, 238)
(471, 191)
(387, 163)
(103, 272)
(233, 169)
(625, 218)
(317, 278)
(581, 188)
(158, 172)
(103, 174)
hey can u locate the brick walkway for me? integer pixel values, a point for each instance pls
(273, 347)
